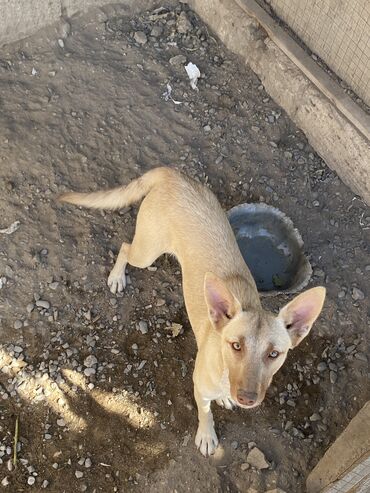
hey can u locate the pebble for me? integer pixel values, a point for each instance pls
(88, 462)
(357, 294)
(256, 458)
(61, 42)
(140, 37)
(361, 357)
(5, 481)
(113, 301)
(234, 445)
(45, 483)
(183, 23)
(315, 417)
(90, 361)
(178, 60)
(61, 422)
(79, 474)
(245, 466)
(142, 326)
(18, 324)
(31, 480)
(156, 31)
(43, 304)
(333, 377)
(322, 366)
(207, 128)
(88, 372)
(30, 307)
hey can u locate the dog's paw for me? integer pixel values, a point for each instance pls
(116, 282)
(226, 403)
(206, 441)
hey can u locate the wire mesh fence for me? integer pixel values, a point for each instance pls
(338, 31)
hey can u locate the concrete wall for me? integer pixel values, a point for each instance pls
(338, 32)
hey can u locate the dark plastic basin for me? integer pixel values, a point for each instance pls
(271, 247)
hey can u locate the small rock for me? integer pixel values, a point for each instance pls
(234, 445)
(79, 474)
(178, 60)
(140, 37)
(88, 372)
(245, 466)
(183, 23)
(357, 294)
(256, 459)
(113, 301)
(61, 42)
(31, 480)
(45, 483)
(90, 361)
(156, 31)
(61, 422)
(315, 417)
(30, 307)
(143, 327)
(361, 357)
(5, 481)
(322, 366)
(88, 462)
(333, 377)
(207, 128)
(18, 324)
(43, 304)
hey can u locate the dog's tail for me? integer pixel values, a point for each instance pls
(119, 197)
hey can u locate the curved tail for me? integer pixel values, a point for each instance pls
(119, 197)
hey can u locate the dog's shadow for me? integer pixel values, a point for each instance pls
(129, 437)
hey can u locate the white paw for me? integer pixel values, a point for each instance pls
(116, 282)
(206, 441)
(226, 403)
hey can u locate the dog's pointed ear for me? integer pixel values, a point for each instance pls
(300, 314)
(222, 304)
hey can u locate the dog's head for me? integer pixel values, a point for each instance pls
(255, 343)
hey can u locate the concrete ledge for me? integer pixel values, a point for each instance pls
(351, 449)
(338, 142)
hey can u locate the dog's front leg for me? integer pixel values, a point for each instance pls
(206, 439)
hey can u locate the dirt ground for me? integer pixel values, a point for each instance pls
(101, 385)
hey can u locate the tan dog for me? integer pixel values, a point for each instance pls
(240, 345)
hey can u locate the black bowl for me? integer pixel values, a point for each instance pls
(271, 247)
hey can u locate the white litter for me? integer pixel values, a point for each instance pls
(167, 95)
(193, 73)
(12, 228)
(34, 71)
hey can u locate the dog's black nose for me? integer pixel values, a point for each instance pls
(246, 398)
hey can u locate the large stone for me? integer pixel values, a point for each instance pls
(256, 459)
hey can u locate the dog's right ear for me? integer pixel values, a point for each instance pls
(222, 304)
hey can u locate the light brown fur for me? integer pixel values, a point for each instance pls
(236, 338)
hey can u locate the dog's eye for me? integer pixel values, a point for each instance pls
(236, 346)
(274, 354)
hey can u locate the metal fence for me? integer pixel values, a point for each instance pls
(338, 31)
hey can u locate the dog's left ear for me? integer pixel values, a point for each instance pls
(222, 304)
(300, 314)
